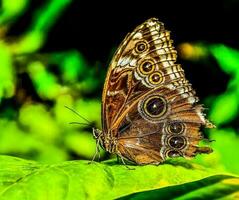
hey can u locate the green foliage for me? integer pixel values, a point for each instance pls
(7, 83)
(21, 179)
(12, 9)
(40, 120)
(226, 146)
(228, 60)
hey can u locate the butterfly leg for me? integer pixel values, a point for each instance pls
(122, 160)
(118, 160)
(97, 151)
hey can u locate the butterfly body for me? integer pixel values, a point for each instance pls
(149, 109)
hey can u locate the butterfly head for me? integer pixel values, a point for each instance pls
(96, 133)
(105, 142)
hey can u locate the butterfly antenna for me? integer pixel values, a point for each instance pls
(80, 123)
(88, 122)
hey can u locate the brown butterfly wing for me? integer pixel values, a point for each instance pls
(147, 138)
(149, 108)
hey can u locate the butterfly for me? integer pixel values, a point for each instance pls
(149, 109)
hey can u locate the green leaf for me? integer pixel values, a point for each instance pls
(219, 113)
(22, 179)
(10, 9)
(226, 145)
(227, 58)
(7, 79)
(214, 187)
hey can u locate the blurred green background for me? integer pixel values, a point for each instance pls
(55, 54)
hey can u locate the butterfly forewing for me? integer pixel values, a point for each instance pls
(149, 109)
